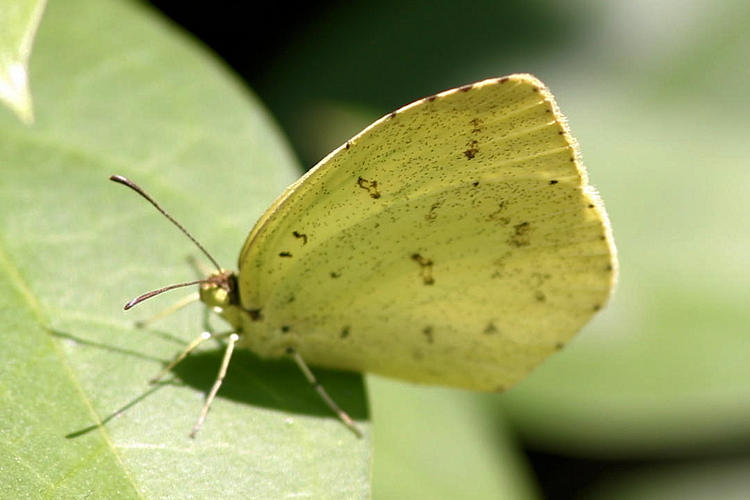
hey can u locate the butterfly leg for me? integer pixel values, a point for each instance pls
(343, 416)
(231, 341)
(190, 348)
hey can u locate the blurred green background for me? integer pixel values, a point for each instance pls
(652, 399)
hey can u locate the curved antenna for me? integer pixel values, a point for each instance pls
(135, 187)
(153, 293)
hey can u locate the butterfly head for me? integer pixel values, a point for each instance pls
(219, 290)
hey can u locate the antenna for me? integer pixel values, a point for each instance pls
(153, 293)
(135, 187)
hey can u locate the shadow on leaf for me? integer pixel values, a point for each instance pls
(276, 384)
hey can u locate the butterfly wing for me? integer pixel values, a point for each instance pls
(455, 241)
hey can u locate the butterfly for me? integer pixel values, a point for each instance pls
(455, 241)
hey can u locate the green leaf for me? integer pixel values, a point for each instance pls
(18, 24)
(439, 443)
(118, 91)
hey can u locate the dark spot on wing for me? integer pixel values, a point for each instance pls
(392, 115)
(432, 214)
(466, 88)
(501, 264)
(502, 79)
(285, 254)
(369, 186)
(597, 307)
(539, 296)
(427, 331)
(345, 332)
(471, 150)
(559, 345)
(476, 124)
(497, 214)
(301, 236)
(521, 236)
(431, 98)
(538, 279)
(255, 314)
(490, 329)
(290, 299)
(285, 328)
(426, 268)
(591, 205)
(475, 183)
(334, 274)
(553, 181)
(348, 145)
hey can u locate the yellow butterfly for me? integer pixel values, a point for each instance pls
(455, 241)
